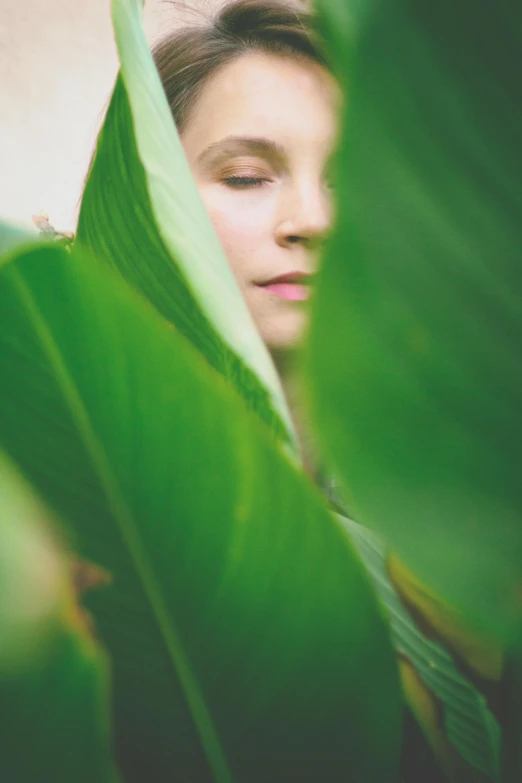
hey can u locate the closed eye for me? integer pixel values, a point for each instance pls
(244, 182)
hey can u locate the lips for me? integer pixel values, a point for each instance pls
(294, 286)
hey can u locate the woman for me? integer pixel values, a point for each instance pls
(256, 108)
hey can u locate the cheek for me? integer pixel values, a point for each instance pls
(243, 223)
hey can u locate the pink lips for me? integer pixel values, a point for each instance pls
(292, 286)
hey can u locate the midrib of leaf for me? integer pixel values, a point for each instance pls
(124, 519)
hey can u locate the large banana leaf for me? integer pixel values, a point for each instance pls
(464, 719)
(245, 640)
(53, 694)
(416, 345)
(142, 214)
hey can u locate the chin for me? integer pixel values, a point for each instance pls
(284, 338)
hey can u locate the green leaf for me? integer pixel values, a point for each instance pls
(416, 341)
(53, 678)
(468, 724)
(246, 642)
(511, 761)
(13, 236)
(142, 214)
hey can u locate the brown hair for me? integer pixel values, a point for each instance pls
(187, 58)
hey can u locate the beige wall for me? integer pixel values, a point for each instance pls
(57, 67)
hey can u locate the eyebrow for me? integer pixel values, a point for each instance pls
(252, 145)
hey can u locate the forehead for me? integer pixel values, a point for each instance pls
(292, 101)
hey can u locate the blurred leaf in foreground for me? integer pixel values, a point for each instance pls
(53, 678)
(246, 642)
(416, 344)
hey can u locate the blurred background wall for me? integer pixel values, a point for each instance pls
(57, 67)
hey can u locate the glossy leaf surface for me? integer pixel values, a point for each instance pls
(416, 347)
(245, 639)
(142, 214)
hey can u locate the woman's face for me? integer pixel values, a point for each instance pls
(258, 142)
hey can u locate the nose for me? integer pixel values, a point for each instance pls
(305, 216)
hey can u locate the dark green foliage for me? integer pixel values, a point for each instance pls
(245, 641)
(54, 723)
(418, 392)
